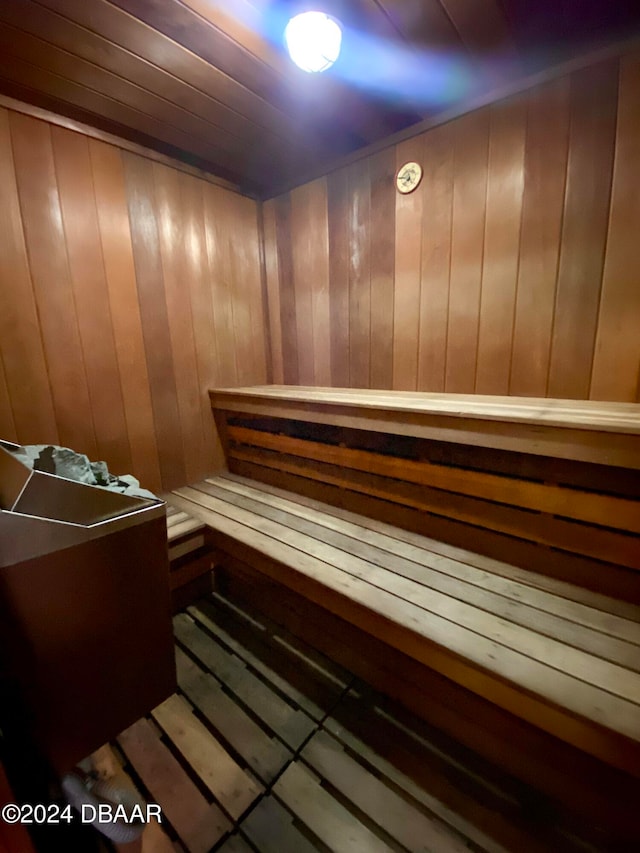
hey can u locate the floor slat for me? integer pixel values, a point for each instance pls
(314, 689)
(301, 791)
(402, 820)
(239, 766)
(265, 755)
(199, 824)
(291, 724)
(270, 827)
(229, 784)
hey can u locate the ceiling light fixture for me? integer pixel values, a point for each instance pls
(313, 40)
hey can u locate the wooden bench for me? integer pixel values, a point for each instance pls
(490, 542)
(190, 554)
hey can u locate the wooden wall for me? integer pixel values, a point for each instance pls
(127, 289)
(513, 269)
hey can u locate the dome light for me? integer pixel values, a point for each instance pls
(313, 41)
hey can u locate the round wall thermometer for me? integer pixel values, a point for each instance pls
(408, 177)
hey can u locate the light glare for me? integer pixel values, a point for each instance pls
(313, 41)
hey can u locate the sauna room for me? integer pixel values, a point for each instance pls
(319, 426)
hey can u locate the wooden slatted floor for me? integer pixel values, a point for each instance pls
(269, 746)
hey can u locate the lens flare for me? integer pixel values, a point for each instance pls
(313, 40)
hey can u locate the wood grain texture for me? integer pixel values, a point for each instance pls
(248, 275)
(508, 271)
(127, 60)
(257, 537)
(576, 604)
(584, 230)
(197, 274)
(209, 83)
(115, 115)
(505, 191)
(288, 309)
(239, 281)
(223, 51)
(305, 278)
(436, 258)
(616, 365)
(554, 533)
(160, 52)
(272, 276)
(545, 177)
(170, 221)
(337, 211)
(56, 28)
(359, 235)
(301, 791)
(231, 785)
(219, 272)
(404, 823)
(64, 66)
(467, 245)
(7, 423)
(91, 295)
(318, 274)
(565, 567)
(556, 500)
(118, 277)
(25, 367)
(272, 280)
(199, 823)
(606, 433)
(557, 769)
(49, 265)
(113, 217)
(409, 212)
(383, 213)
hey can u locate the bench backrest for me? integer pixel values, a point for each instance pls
(551, 486)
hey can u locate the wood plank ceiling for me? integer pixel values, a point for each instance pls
(208, 82)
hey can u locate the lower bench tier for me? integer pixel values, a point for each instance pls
(562, 658)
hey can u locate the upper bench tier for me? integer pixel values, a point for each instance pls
(590, 431)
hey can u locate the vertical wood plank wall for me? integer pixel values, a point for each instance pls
(127, 289)
(513, 269)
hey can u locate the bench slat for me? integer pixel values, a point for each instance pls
(612, 581)
(445, 576)
(190, 526)
(556, 500)
(598, 543)
(339, 488)
(405, 620)
(398, 537)
(516, 584)
(513, 697)
(175, 518)
(589, 414)
(567, 429)
(562, 657)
